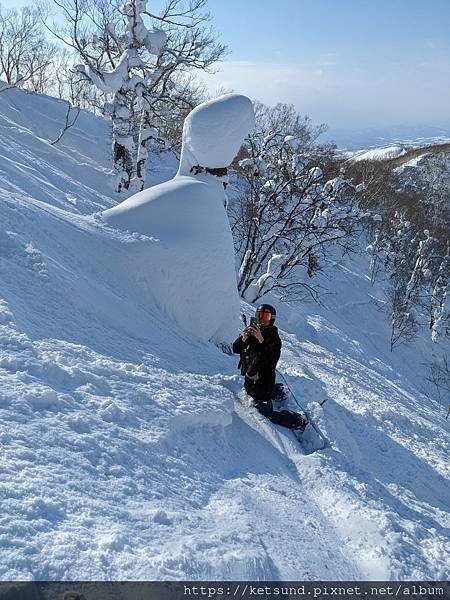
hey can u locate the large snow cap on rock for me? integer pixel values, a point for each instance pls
(186, 264)
(214, 131)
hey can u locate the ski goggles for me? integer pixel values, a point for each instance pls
(264, 315)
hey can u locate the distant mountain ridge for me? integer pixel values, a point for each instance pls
(399, 154)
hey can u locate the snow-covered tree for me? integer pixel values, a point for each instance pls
(126, 85)
(439, 377)
(439, 366)
(289, 207)
(430, 182)
(407, 246)
(408, 277)
(137, 60)
(440, 301)
(26, 57)
(378, 247)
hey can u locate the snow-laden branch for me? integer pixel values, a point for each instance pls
(289, 211)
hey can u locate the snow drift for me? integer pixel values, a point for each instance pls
(188, 270)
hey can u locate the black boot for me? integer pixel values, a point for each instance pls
(265, 408)
(290, 419)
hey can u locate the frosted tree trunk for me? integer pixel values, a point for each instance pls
(122, 142)
(145, 134)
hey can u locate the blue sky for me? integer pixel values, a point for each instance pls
(349, 63)
(345, 62)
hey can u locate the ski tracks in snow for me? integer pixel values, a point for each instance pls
(383, 482)
(299, 538)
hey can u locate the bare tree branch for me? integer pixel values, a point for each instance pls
(68, 124)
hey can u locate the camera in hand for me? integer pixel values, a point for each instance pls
(253, 321)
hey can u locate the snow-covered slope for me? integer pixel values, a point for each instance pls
(125, 451)
(382, 153)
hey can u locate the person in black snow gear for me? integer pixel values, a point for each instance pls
(259, 347)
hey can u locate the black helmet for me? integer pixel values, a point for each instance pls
(267, 308)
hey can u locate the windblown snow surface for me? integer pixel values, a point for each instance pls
(126, 452)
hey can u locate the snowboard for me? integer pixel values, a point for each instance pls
(310, 438)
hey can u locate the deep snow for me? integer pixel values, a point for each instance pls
(188, 269)
(126, 451)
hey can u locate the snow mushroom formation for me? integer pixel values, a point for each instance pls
(191, 265)
(214, 131)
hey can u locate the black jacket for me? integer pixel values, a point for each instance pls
(261, 359)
